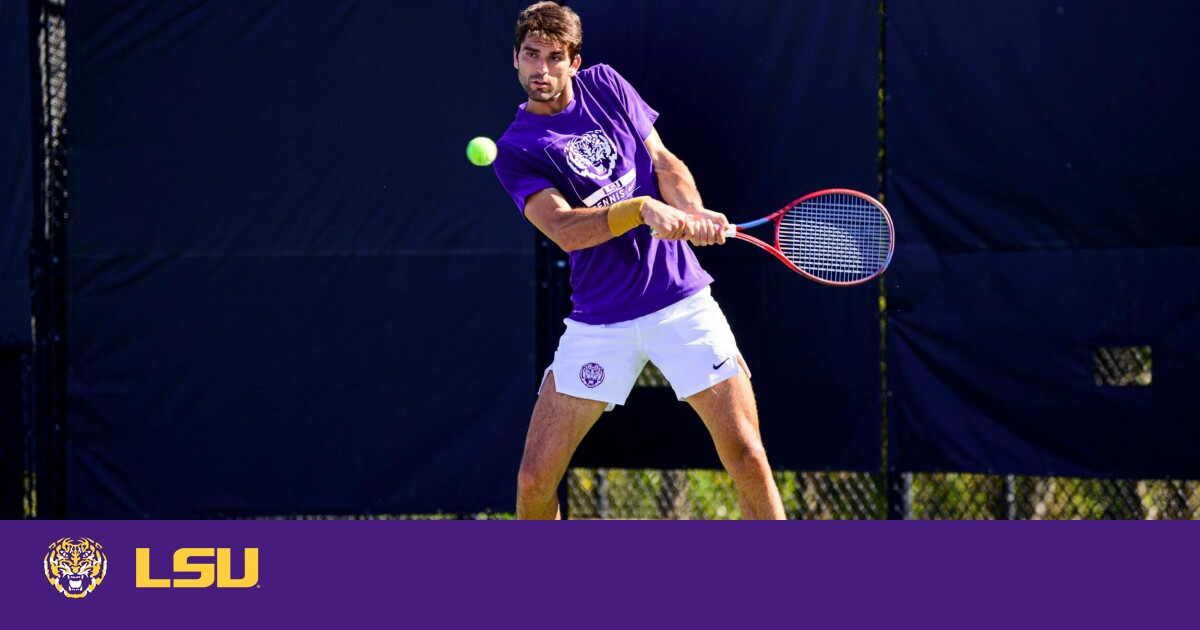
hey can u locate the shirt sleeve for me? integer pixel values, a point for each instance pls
(517, 177)
(642, 115)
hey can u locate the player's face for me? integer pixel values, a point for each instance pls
(544, 70)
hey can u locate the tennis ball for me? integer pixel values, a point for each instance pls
(481, 151)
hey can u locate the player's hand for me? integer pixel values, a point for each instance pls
(703, 231)
(707, 227)
(667, 222)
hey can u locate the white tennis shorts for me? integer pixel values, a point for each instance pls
(689, 341)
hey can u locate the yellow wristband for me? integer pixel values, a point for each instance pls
(625, 215)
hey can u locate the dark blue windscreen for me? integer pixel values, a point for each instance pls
(290, 291)
(1042, 175)
(16, 172)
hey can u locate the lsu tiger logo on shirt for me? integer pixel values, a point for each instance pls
(75, 566)
(592, 155)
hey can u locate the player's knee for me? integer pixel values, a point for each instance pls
(750, 461)
(536, 480)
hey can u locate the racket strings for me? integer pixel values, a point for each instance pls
(835, 237)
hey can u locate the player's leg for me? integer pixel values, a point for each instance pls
(729, 412)
(692, 344)
(594, 368)
(558, 425)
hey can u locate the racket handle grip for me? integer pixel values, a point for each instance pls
(730, 230)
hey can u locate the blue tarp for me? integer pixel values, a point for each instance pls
(16, 173)
(290, 291)
(1042, 174)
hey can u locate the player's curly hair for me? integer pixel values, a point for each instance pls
(552, 22)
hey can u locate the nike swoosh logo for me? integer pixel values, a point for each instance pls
(717, 366)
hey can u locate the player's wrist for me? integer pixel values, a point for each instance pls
(626, 215)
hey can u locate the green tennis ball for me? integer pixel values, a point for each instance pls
(481, 151)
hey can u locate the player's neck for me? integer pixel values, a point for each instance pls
(550, 108)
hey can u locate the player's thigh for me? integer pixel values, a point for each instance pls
(558, 425)
(729, 411)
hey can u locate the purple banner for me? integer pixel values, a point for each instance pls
(184, 574)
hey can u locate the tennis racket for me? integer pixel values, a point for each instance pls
(837, 237)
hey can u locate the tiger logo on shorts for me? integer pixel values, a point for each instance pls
(592, 155)
(75, 566)
(592, 375)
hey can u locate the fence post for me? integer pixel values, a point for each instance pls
(48, 263)
(899, 495)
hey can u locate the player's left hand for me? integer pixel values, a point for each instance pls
(706, 227)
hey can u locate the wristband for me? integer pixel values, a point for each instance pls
(625, 215)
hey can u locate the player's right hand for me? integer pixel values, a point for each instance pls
(667, 222)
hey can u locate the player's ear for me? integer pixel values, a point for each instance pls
(575, 63)
(515, 65)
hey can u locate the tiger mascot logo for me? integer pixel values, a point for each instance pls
(592, 155)
(75, 566)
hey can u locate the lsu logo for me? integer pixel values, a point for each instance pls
(592, 155)
(75, 566)
(199, 562)
(591, 374)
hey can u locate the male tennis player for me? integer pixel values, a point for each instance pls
(585, 166)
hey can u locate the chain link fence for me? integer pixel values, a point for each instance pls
(607, 493)
(610, 493)
(31, 427)
(44, 438)
(625, 494)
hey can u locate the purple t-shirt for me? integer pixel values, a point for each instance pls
(593, 153)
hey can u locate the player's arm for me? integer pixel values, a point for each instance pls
(580, 228)
(678, 188)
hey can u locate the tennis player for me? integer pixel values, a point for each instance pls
(584, 165)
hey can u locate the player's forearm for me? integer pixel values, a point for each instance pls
(580, 228)
(676, 183)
